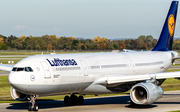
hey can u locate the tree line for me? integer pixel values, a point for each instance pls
(52, 42)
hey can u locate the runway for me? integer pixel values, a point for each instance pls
(169, 102)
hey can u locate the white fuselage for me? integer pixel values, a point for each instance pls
(77, 73)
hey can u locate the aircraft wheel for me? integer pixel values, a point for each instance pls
(73, 99)
(30, 107)
(35, 107)
(66, 100)
(81, 100)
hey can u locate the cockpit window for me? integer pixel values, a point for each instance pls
(27, 69)
(30, 69)
(20, 69)
(14, 69)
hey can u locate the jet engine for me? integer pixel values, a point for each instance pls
(145, 93)
(18, 95)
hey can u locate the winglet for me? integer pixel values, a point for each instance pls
(166, 38)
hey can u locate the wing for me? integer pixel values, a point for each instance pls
(127, 50)
(119, 78)
(6, 67)
(178, 57)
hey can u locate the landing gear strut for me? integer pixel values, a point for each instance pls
(73, 100)
(33, 106)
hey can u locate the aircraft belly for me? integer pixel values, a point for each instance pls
(42, 89)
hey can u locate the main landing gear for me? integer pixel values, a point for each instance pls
(73, 100)
(33, 106)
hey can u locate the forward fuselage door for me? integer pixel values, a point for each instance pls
(47, 73)
(84, 65)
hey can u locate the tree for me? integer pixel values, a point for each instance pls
(127, 43)
(82, 47)
(98, 39)
(134, 44)
(102, 46)
(122, 45)
(49, 47)
(144, 46)
(75, 42)
(115, 46)
(1, 40)
(11, 41)
(142, 38)
(20, 47)
(3, 46)
(96, 46)
(37, 47)
(149, 40)
(28, 47)
(60, 47)
(154, 42)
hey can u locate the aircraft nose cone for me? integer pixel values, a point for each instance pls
(14, 79)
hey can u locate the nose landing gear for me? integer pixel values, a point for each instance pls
(33, 106)
(73, 100)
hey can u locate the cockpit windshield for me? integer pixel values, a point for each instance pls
(27, 69)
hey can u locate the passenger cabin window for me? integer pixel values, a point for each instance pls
(27, 69)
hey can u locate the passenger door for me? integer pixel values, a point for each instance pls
(47, 73)
(84, 65)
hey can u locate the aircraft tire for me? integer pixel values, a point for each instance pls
(30, 109)
(80, 100)
(35, 107)
(73, 99)
(66, 100)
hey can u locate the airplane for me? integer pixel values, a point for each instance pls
(141, 72)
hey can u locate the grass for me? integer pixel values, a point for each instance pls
(172, 70)
(5, 61)
(5, 96)
(175, 111)
(171, 84)
(11, 57)
(176, 65)
(45, 52)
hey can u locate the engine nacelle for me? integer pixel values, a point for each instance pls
(18, 95)
(145, 93)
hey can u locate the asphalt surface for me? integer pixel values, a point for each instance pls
(169, 102)
(4, 73)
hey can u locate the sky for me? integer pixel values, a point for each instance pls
(85, 18)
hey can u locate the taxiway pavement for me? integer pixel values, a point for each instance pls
(169, 102)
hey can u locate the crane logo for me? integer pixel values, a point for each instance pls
(171, 24)
(32, 77)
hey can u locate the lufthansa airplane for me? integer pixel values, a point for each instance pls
(97, 73)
